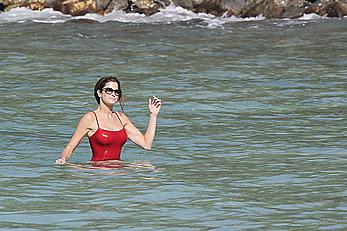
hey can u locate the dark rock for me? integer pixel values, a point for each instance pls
(240, 8)
(267, 8)
(294, 8)
(231, 12)
(315, 8)
(110, 5)
(277, 9)
(328, 8)
(293, 12)
(336, 9)
(186, 4)
(214, 7)
(147, 7)
(163, 3)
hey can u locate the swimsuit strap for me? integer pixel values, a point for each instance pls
(96, 119)
(119, 118)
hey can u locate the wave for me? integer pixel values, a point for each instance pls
(171, 14)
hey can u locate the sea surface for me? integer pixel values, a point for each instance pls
(252, 134)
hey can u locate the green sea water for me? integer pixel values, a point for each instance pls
(251, 136)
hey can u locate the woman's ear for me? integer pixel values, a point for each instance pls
(99, 93)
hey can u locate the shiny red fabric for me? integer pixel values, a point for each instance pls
(107, 145)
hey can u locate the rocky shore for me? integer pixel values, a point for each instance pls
(226, 8)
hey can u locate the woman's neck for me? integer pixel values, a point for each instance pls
(105, 109)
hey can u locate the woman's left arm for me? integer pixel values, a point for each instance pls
(144, 140)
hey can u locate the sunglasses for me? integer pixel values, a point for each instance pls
(109, 91)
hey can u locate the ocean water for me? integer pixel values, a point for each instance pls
(251, 136)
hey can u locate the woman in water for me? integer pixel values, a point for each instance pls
(107, 130)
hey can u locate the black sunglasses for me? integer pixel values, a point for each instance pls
(109, 91)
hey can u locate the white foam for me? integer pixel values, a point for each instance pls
(22, 14)
(312, 17)
(169, 15)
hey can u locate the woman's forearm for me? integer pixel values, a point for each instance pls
(66, 154)
(150, 132)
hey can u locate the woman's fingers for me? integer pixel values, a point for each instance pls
(154, 104)
(156, 101)
(60, 161)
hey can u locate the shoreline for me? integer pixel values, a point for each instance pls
(270, 9)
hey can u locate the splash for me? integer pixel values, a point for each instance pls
(21, 15)
(312, 17)
(169, 15)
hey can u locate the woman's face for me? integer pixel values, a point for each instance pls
(109, 94)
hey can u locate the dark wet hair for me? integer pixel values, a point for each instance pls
(101, 84)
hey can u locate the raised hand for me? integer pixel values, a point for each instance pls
(154, 105)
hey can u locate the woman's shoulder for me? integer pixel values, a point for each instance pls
(88, 116)
(119, 113)
(87, 120)
(122, 116)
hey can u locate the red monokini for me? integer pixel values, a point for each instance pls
(106, 144)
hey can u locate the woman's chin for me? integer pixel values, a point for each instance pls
(110, 102)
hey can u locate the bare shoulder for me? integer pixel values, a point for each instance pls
(88, 116)
(121, 114)
(88, 119)
(123, 117)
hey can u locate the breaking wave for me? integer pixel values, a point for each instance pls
(171, 14)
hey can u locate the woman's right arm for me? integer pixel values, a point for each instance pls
(83, 127)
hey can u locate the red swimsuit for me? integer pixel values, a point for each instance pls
(106, 144)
